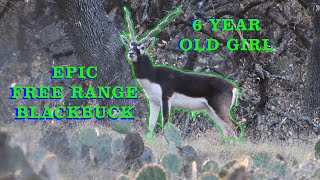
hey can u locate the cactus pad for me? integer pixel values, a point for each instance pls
(172, 163)
(210, 166)
(88, 137)
(317, 149)
(133, 146)
(102, 148)
(154, 172)
(147, 156)
(209, 176)
(117, 146)
(261, 159)
(75, 147)
(173, 134)
(121, 126)
(188, 153)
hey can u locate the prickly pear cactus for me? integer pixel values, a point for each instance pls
(88, 137)
(226, 167)
(75, 147)
(154, 172)
(173, 134)
(102, 148)
(317, 149)
(133, 146)
(294, 161)
(209, 176)
(279, 169)
(261, 159)
(172, 163)
(147, 156)
(188, 153)
(210, 166)
(308, 167)
(121, 126)
(117, 146)
(229, 164)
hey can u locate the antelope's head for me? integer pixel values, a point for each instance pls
(136, 49)
(139, 48)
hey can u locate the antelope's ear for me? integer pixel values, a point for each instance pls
(124, 40)
(149, 42)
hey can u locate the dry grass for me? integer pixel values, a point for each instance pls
(207, 145)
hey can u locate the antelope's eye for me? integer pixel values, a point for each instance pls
(142, 48)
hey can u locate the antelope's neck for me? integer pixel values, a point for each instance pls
(143, 68)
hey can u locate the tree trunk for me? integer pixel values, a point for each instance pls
(312, 88)
(95, 40)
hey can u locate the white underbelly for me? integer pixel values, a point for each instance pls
(152, 90)
(189, 103)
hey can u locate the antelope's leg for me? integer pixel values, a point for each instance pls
(165, 110)
(223, 125)
(153, 116)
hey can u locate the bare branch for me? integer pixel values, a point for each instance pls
(164, 22)
(280, 20)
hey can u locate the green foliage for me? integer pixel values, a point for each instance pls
(317, 149)
(209, 176)
(173, 134)
(172, 163)
(121, 126)
(154, 172)
(261, 159)
(210, 166)
(102, 148)
(88, 137)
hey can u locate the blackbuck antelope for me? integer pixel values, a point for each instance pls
(166, 87)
